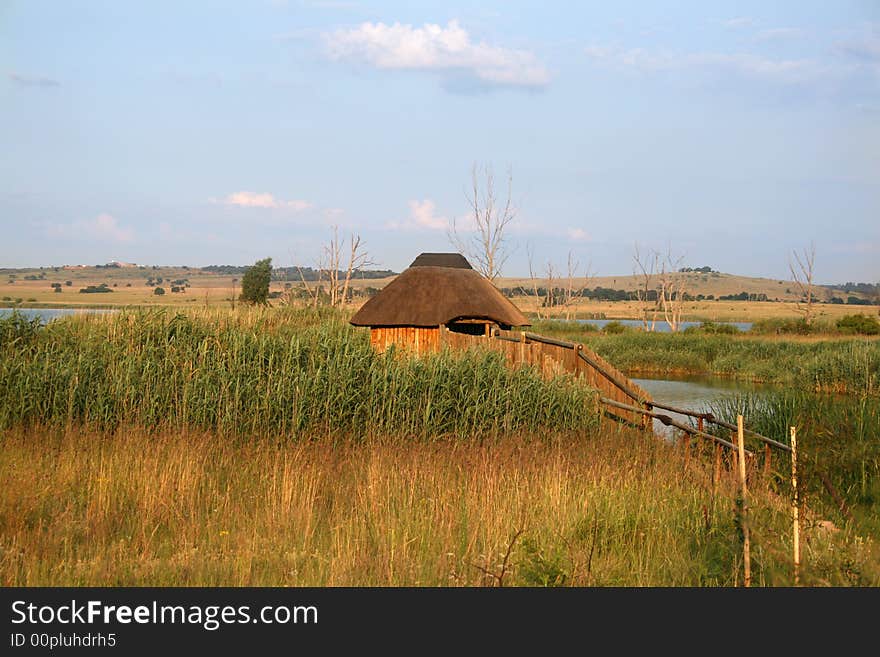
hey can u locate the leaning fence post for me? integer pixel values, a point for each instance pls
(794, 507)
(747, 559)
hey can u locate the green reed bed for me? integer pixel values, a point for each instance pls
(265, 372)
(849, 366)
(838, 437)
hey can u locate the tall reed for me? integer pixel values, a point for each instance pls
(269, 373)
(838, 437)
(184, 508)
(850, 366)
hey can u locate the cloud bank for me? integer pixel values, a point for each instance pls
(436, 48)
(264, 200)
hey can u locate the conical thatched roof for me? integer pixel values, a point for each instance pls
(438, 288)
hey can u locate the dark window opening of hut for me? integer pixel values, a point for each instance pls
(438, 291)
(472, 326)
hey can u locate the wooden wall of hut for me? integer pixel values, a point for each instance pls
(411, 338)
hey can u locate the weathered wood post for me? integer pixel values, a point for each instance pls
(794, 507)
(744, 518)
(687, 449)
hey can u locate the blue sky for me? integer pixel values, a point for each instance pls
(223, 132)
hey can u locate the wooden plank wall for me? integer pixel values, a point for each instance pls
(551, 360)
(410, 338)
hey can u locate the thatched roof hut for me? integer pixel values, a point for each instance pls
(437, 291)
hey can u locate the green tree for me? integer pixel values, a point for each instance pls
(255, 282)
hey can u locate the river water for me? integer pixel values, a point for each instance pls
(693, 393)
(48, 314)
(660, 326)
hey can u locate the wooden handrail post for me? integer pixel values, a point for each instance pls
(740, 445)
(733, 460)
(716, 473)
(794, 507)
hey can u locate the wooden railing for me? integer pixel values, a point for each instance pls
(621, 398)
(553, 357)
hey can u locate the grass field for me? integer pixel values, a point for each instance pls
(188, 508)
(273, 447)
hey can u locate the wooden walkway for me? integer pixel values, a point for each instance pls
(621, 399)
(553, 357)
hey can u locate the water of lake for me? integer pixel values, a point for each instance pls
(660, 327)
(693, 393)
(48, 314)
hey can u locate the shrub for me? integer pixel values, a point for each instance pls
(713, 328)
(859, 324)
(614, 328)
(159, 291)
(782, 326)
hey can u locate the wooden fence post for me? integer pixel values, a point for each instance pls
(747, 559)
(794, 507)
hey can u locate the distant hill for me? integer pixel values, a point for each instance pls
(715, 285)
(298, 273)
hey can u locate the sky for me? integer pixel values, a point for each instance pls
(198, 133)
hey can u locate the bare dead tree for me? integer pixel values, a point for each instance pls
(673, 287)
(534, 279)
(338, 271)
(333, 268)
(487, 245)
(314, 292)
(802, 275)
(550, 299)
(646, 270)
(572, 292)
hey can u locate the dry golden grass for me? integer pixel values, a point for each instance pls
(132, 508)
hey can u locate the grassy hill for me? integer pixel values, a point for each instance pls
(197, 287)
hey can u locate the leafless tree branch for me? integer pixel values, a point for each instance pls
(487, 246)
(802, 275)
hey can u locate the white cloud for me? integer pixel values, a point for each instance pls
(264, 200)
(422, 215)
(578, 235)
(739, 22)
(747, 64)
(435, 48)
(104, 227)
